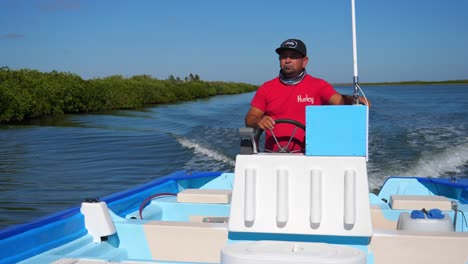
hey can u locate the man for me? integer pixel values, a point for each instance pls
(286, 96)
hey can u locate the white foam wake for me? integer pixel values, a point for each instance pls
(199, 148)
(435, 165)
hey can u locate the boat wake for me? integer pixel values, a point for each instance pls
(449, 162)
(200, 148)
(452, 161)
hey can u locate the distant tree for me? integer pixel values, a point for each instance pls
(143, 77)
(171, 78)
(194, 77)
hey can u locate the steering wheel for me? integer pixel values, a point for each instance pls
(281, 149)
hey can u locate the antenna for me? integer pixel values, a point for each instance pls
(355, 66)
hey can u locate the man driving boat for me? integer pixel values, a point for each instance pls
(286, 96)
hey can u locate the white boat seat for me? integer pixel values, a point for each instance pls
(417, 202)
(186, 241)
(210, 196)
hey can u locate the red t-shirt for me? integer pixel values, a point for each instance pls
(281, 101)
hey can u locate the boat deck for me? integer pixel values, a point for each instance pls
(172, 231)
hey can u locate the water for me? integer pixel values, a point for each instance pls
(54, 164)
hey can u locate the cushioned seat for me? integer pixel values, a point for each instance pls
(417, 202)
(204, 196)
(186, 241)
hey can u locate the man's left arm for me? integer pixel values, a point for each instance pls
(338, 99)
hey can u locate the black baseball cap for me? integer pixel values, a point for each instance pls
(293, 44)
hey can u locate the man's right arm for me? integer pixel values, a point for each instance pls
(255, 118)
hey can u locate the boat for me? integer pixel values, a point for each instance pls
(312, 207)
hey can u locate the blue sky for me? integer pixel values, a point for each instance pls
(397, 40)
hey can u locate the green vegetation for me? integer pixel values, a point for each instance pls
(27, 94)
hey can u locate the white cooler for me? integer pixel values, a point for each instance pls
(405, 222)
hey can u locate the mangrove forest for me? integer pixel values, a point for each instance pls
(27, 94)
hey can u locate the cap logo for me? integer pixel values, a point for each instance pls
(289, 44)
(293, 44)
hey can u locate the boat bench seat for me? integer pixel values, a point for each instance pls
(216, 196)
(398, 246)
(186, 241)
(380, 221)
(417, 202)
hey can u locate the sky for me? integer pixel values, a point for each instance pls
(234, 41)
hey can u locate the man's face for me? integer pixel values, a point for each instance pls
(292, 63)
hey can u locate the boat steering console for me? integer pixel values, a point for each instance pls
(250, 138)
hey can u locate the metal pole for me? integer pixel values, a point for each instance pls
(355, 65)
